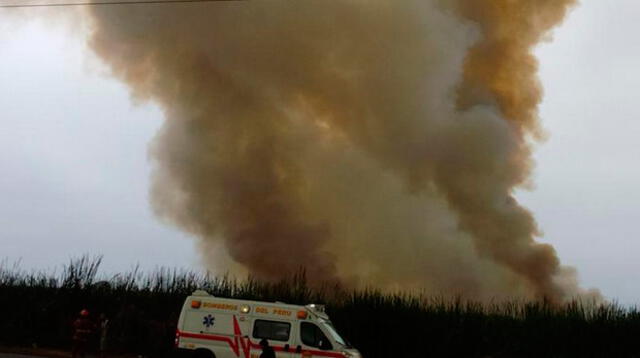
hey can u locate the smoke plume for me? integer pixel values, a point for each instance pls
(372, 142)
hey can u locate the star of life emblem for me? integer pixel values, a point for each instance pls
(208, 321)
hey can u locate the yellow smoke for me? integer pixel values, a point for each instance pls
(372, 142)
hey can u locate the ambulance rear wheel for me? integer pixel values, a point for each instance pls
(203, 353)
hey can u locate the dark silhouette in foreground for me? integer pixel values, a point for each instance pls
(267, 351)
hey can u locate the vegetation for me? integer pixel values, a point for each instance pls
(39, 308)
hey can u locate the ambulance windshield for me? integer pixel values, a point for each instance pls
(334, 334)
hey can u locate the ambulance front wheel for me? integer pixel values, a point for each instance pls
(203, 353)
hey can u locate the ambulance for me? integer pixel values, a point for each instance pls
(214, 327)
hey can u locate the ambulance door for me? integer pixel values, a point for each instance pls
(278, 334)
(313, 342)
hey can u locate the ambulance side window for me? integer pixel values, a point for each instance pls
(312, 336)
(277, 331)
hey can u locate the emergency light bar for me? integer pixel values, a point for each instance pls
(316, 308)
(200, 293)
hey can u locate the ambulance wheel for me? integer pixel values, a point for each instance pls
(203, 353)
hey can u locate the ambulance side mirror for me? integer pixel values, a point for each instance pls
(325, 345)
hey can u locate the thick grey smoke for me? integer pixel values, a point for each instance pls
(370, 141)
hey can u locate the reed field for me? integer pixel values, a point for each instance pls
(38, 308)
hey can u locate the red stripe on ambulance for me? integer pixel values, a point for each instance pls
(245, 343)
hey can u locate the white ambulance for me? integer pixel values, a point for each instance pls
(213, 327)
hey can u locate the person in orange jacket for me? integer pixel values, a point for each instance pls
(82, 330)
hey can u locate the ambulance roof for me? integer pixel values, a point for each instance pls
(257, 307)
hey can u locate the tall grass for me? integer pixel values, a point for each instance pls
(38, 308)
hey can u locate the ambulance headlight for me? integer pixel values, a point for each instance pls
(245, 309)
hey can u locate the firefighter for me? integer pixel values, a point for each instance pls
(267, 351)
(82, 330)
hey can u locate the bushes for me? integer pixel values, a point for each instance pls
(38, 308)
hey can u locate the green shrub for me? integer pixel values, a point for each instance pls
(39, 308)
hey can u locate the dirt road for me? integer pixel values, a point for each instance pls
(14, 355)
(33, 353)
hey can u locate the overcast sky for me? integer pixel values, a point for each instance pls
(74, 171)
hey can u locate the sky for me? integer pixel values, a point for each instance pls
(74, 166)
